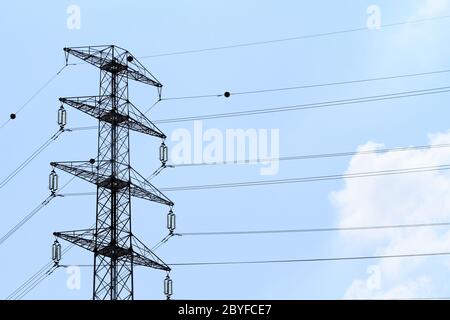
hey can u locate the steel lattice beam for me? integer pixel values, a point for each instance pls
(98, 107)
(138, 253)
(114, 59)
(139, 186)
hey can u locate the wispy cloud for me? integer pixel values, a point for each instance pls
(406, 199)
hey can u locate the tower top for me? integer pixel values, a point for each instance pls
(116, 60)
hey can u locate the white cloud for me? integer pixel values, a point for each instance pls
(409, 290)
(400, 199)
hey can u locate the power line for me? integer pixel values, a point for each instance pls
(319, 85)
(36, 282)
(44, 146)
(217, 95)
(315, 35)
(39, 276)
(316, 156)
(26, 284)
(310, 86)
(162, 242)
(30, 215)
(301, 37)
(394, 256)
(49, 268)
(307, 106)
(42, 88)
(35, 279)
(152, 106)
(256, 232)
(289, 181)
(310, 179)
(27, 161)
(26, 218)
(80, 128)
(217, 263)
(77, 194)
(85, 128)
(315, 105)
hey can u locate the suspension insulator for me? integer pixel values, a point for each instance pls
(62, 117)
(163, 153)
(168, 287)
(53, 181)
(56, 252)
(171, 221)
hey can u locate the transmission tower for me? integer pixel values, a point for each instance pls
(116, 249)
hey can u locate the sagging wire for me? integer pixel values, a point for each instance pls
(157, 172)
(27, 161)
(36, 278)
(162, 242)
(154, 105)
(53, 180)
(13, 116)
(62, 121)
(26, 218)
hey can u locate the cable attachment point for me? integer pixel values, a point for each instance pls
(168, 286)
(62, 117)
(56, 252)
(171, 221)
(66, 56)
(53, 182)
(163, 154)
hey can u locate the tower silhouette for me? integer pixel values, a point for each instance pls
(116, 249)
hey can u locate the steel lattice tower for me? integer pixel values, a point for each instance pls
(116, 250)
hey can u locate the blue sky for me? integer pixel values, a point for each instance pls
(33, 36)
